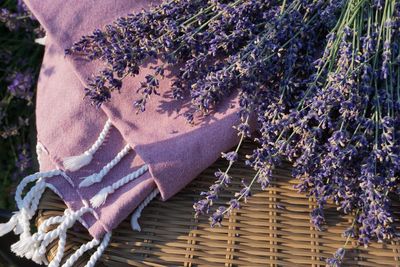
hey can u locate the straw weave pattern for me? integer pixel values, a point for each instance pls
(272, 229)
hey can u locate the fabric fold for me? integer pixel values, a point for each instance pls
(175, 151)
(67, 125)
(67, 22)
(160, 135)
(108, 162)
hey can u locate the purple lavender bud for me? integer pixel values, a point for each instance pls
(244, 129)
(217, 217)
(201, 207)
(350, 232)
(21, 84)
(244, 193)
(23, 161)
(234, 204)
(337, 259)
(230, 156)
(223, 177)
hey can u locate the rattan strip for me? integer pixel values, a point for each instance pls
(271, 229)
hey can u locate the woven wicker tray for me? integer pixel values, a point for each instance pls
(272, 229)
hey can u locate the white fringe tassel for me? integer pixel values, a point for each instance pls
(32, 178)
(138, 212)
(74, 163)
(98, 177)
(27, 206)
(101, 197)
(41, 41)
(34, 247)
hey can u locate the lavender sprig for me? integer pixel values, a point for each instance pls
(223, 179)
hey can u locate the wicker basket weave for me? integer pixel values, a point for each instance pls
(272, 229)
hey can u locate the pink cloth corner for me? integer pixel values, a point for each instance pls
(175, 151)
(67, 125)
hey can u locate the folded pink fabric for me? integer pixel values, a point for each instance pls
(125, 158)
(71, 126)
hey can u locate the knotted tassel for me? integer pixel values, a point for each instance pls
(31, 203)
(101, 196)
(35, 246)
(98, 177)
(5, 228)
(41, 41)
(32, 178)
(28, 210)
(138, 212)
(20, 220)
(74, 163)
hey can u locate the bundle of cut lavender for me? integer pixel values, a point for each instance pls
(321, 77)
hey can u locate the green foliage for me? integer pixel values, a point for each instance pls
(20, 60)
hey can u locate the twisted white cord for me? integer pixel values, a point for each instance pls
(101, 196)
(28, 206)
(70, 218)
(77, 254)
(97, 177)
(60, 250)
(35, 246)
(29, 179)
(96, 256)
(138, 212)
(24, 215)
(50, 221)
(43, 239)
(101, 138)
(32, 198)
(74, 163)
(37, 195)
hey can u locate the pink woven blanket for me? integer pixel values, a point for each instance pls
(110, 162)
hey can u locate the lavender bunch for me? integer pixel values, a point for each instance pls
(354, 101)
(342, 134)
(331, 108)
(194, 34)
(264, 48)
(191, 32)
(287, 63)
(341, 129)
